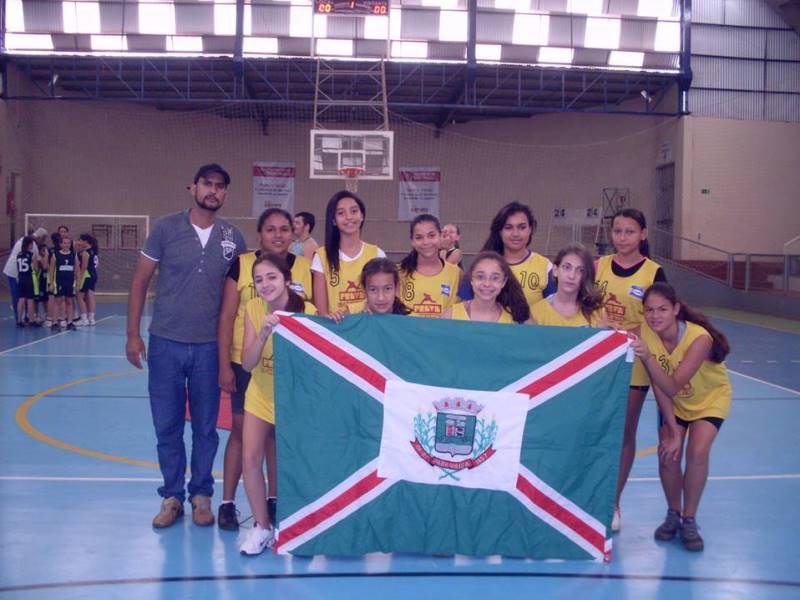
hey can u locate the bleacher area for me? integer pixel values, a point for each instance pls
(765, 275)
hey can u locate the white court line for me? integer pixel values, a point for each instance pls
(775, 385)
(729, 477)
(66, 356)
(87, 479)
(49, 337)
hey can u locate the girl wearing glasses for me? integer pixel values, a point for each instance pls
(497, 296)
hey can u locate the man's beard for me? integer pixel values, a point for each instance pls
(202, 204)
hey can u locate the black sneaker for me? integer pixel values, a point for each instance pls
(669, 528)
(20, 323)
(272, 510)
(72, 327)
(228, 516)
(689, 535)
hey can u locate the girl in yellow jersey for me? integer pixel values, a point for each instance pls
(337, 266)
(428, 284)
(510, 235)
(381, 283)
(496, 294)
(272, 280)
(274, 234)
(623, 279)
(576, 302)
(683, 353)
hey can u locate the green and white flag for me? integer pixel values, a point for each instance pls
(435, 436)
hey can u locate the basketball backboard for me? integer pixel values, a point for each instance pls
(334, 150)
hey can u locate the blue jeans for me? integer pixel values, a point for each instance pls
(174, 368)
(14, 289)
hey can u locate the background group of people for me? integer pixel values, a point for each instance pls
(215, 306)
(50, 284)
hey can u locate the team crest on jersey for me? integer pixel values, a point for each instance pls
(227, 243)
(455, 429)
(428, 307)
(352, 293)
(446, 290)
(636, 291)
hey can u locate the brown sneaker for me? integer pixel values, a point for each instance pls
(171, 509)
(201, 511)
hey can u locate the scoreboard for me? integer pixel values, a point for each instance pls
(353, 7)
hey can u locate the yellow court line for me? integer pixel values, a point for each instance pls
(646, 451)
(21, 417)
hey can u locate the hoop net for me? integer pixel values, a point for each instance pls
(351, 175)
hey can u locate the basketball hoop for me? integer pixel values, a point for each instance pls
(351, 175)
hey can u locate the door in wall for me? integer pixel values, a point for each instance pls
(662, 241)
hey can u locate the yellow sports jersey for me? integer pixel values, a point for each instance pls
(430, 295)
(544, 314)
(345, 293)
(301, 283)
(533, 274)
(259, 399)
(708, 393)
(623, 295)
(460, 313)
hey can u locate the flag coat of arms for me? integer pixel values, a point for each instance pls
(431, 436)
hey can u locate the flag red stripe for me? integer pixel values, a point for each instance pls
(349, 362)
(583, 360)
(561, 514)
(339, 503)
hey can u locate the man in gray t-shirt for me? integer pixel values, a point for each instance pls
(193, 250)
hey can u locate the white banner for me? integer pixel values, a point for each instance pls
(447, 436)
(419, 192)
(273, 186)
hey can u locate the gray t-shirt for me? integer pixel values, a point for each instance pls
(190, 276)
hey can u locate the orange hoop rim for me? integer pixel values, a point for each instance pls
(351, 172)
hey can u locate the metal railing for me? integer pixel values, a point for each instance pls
(774, 272)
(701, 258)
(795, 241)
(740, 270)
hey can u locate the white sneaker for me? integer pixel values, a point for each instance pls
(82, 323)
(92, 321)
(616, 522)
(257, 540)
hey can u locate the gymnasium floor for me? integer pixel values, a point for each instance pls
(78, 479)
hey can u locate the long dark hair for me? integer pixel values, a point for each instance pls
(268, 213)
(295, 303)
(638, 216)
(511, 297)
(91, 240)
(495, 243)
(26, 243)
(409, 262)
(720, 346)
(332, 235)
(384, 265)
(589, 296)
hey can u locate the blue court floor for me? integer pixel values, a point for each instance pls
(78, 479)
